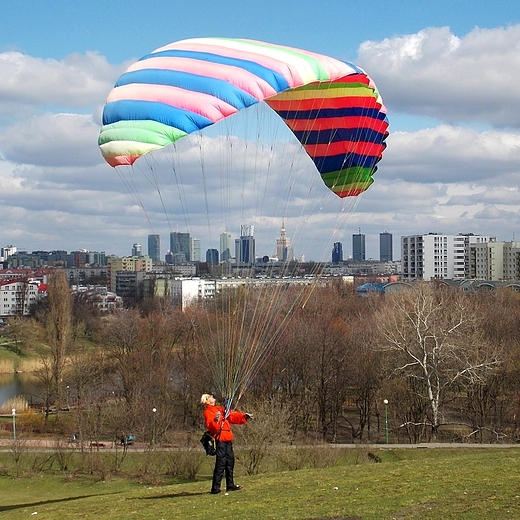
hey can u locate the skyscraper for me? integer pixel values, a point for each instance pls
(358, 247)
(195, 254)
(385, 247)
(137, 250)
(180, 244)
(245, 245)
(212, 256)
(225, 246)
(154, 247)
(337, 253)
(284, 251)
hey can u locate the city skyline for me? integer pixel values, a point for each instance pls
(384, 247)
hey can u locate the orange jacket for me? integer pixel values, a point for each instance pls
(219, 427)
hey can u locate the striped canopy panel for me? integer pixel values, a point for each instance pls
(332, 107)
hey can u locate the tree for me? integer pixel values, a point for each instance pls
(59, 328)
(22, 332)
(434, 337)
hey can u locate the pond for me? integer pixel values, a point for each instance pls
(24, 384)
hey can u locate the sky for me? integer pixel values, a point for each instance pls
(448, 73)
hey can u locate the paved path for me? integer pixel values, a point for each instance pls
(140, 446)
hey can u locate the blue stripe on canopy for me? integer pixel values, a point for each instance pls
(275, 79)
(152, 110)
(334, 163)
(219, 88)
(322, 113)
(334, 135)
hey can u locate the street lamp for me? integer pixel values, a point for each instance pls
(153, 425)
(14, 423)
(386, 419)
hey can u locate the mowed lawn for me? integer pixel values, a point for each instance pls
(430, 483)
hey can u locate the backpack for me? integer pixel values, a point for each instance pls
(208, 442)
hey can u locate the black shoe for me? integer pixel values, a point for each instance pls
(234, 487)
(215, 491)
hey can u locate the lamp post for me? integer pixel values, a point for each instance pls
(386, 419)
(153, 425)
(14, 423)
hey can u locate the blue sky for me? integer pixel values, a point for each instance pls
(121, 30)
(448, 73)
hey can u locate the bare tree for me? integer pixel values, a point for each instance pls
(22, 332)
(434, 337)
(59, 328)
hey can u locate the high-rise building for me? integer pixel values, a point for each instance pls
(337, 253)
(137, 250)
(245, 245)
(433, 256)
(385, 247)
(154, 247)
(492, 260)
(7, 251)
(195, 254)
(225, 246)
(284, 251)
(358, 247)
(180, 243)
(212, 256)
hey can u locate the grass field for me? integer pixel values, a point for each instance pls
(427, 483)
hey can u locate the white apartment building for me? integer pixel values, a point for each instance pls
(497, 261)
(185, 292)
(16, 296)
(434, 255)
(6, 252)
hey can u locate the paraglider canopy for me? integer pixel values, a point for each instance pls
(334, 110)
(332, 107)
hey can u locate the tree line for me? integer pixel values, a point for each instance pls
(446, 362)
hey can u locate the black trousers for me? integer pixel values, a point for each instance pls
(224, 463)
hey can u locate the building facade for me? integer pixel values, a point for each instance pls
(245, 245)
(226, 245)
(154, 247)
(437, 256)
(337, 253)
(180, 243)
(358, 247)
(129, 264)
(186, 292)
(195, 255)
(495, 261)
(284, 250)
(17, 296)
(386, 247)
(212, 256)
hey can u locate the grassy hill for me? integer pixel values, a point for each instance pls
(408, 483)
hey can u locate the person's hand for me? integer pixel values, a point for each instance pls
(248, 416)
(217, 417)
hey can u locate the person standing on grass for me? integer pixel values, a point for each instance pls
(219, 426)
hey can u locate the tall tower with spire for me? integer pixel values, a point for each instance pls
(284, 251)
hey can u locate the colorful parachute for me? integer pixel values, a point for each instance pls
(332, 107)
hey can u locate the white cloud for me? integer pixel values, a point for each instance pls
(76, 81)
(52, 140)
(436, 74)
(451, 154)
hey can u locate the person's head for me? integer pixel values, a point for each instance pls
(207, 399)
